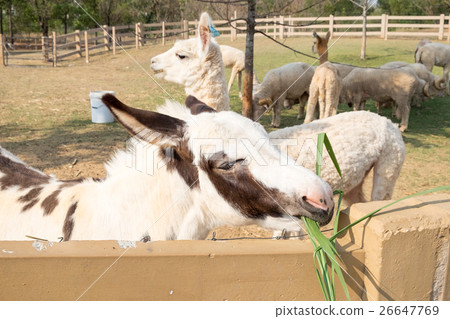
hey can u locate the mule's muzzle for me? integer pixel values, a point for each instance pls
(321, 213)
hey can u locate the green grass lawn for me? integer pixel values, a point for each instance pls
(45, 112)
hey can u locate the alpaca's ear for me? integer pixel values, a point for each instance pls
(204, 32)
(196, 106)
(327, 36)
(149, 126)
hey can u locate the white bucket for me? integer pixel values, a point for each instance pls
(100, 113)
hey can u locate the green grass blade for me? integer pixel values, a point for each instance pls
(331, 153)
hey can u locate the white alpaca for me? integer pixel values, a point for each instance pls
(180, 177)
(326, 83)
(324, 90)
(196, 64)
(235, 60)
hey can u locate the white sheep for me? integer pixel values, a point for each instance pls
(181, 176)
(382, 85)
(431, 54)
(235, 59)
(196, 64)
(361, 141)
(289, 82)
(436, 83)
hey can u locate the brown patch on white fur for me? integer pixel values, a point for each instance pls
(18, 174)
(68, 222)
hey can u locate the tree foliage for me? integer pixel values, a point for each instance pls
(42, 16)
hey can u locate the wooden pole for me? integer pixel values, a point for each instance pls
(383, 25)
(2, 52)
(114, 40)
(274, 27)
(78, 44)
(331, 26)
(163, 32)
(441, 26)
(247, 97)
(106, 38)
(55, 56)
(86, 46)
(43, 49)
(281, 27)
(448, 35)
(386, 27)
(185, 29)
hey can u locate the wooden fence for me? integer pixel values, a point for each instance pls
(57, 47)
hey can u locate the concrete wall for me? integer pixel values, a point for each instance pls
(401, 255)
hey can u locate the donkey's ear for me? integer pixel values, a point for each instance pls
(196, 106)
(327, 36)
(204, 32)
(315, 35)
(145, 125)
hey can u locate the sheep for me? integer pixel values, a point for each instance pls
(235, 59)
(361, 140)
(382, 85)
(289, 82)
(186, 170)
(436, 83)
(326, 84)
(431, 54)
(196, 64)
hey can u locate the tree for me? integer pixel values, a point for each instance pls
(365, 5)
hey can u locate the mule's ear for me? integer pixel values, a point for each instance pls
(204, 32)
(145, 125)
(315, 35)
(327, 36)
(196, 106)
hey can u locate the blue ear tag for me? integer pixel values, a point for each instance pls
(214, 32)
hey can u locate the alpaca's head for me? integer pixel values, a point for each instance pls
(240, 175)
(320, 46)
(188, 60)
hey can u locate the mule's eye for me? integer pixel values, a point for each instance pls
(181, 56)
(229, 165)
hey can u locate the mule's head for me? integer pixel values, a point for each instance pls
(241, 176)
(188, 59)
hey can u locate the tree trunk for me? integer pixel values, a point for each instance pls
(1, 20)
(247, 97)
(11, 33)
(363, 45)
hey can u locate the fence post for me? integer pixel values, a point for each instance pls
(78, 42)
(114, 39)
(274, 27)
(44, 48)
(139, 35)
(185, 29)
(86, 46)
(290, 29)
(106, 38)
(2, 52)
(163, 32)
(281, 27)
(233, 32)
(448, 35)
(441, 26)
(386, 27)
(383, 25)
(331, 26)
(54, 52)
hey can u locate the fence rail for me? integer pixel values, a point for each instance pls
(57, 47)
